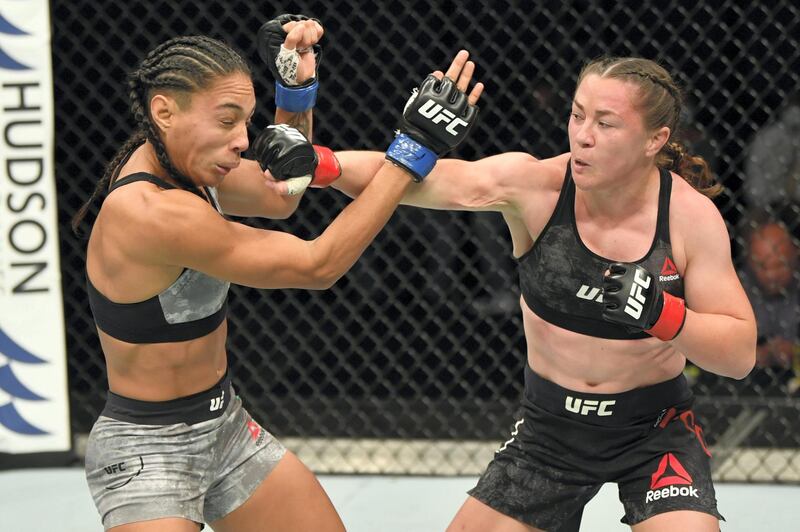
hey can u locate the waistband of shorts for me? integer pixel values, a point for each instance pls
(195, 408)
(606, 409)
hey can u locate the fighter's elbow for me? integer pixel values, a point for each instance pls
(321, 277)
(325, 272)
(746, 366)
(324, 282)
(742, 365)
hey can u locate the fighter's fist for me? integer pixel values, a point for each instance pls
(292, 159)
(437, 117)
(289, 45)
(633, 297)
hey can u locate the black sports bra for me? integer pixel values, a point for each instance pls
(191, 307)
(561, 279)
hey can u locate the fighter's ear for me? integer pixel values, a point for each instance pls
(657, 140)
(163, 108)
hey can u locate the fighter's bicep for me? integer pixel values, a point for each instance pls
(711, 284)
(489, 184)
(203, 240)
(245, 192)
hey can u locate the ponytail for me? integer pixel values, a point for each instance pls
(693, 168)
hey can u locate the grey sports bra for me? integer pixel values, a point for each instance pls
(191, 307)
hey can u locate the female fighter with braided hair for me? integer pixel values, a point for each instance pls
(173, 447)
(626, 272)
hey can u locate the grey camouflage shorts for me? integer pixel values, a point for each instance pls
(199, 471)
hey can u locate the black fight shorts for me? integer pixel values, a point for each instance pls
(565, 445)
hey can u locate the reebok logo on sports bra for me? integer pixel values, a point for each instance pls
(668, 271)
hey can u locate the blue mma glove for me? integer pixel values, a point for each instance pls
(436, 118)
(282, 63)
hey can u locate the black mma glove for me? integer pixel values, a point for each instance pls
(633, 297)
(436, 119)
(289, 95)
(290, 157)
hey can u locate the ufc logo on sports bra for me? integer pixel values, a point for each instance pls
(435, 113)
(636, 299)
(586, 406)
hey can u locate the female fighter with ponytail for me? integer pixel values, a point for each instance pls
(626, 272)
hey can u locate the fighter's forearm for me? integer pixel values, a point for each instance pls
(302, 121)
(358, 169)
(718, 343)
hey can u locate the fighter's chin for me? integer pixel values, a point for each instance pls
(583, 176)
(221, 171)
(584, 184)
(214, 176)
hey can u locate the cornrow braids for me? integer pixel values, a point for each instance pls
(138, 96)
(183, 65)
(661, 104)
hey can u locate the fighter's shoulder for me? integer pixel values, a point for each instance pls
(148, 212)
(686, 199)
(528, 171)
(692, 213)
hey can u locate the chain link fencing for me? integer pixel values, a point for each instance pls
(413, 362)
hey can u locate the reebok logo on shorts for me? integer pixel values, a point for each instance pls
(256, 432)
(668, 271)
(670, 480)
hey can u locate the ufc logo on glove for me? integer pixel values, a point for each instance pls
(636, 299)
(289, 131)
(436, 113)
(632, 298)
(422, 139)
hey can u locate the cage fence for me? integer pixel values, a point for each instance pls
(412, 363)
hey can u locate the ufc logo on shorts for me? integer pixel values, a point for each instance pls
(585, 406)
(216, 403)
(289, 131)
(115, 468)
(436, 113)
(636, 299)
